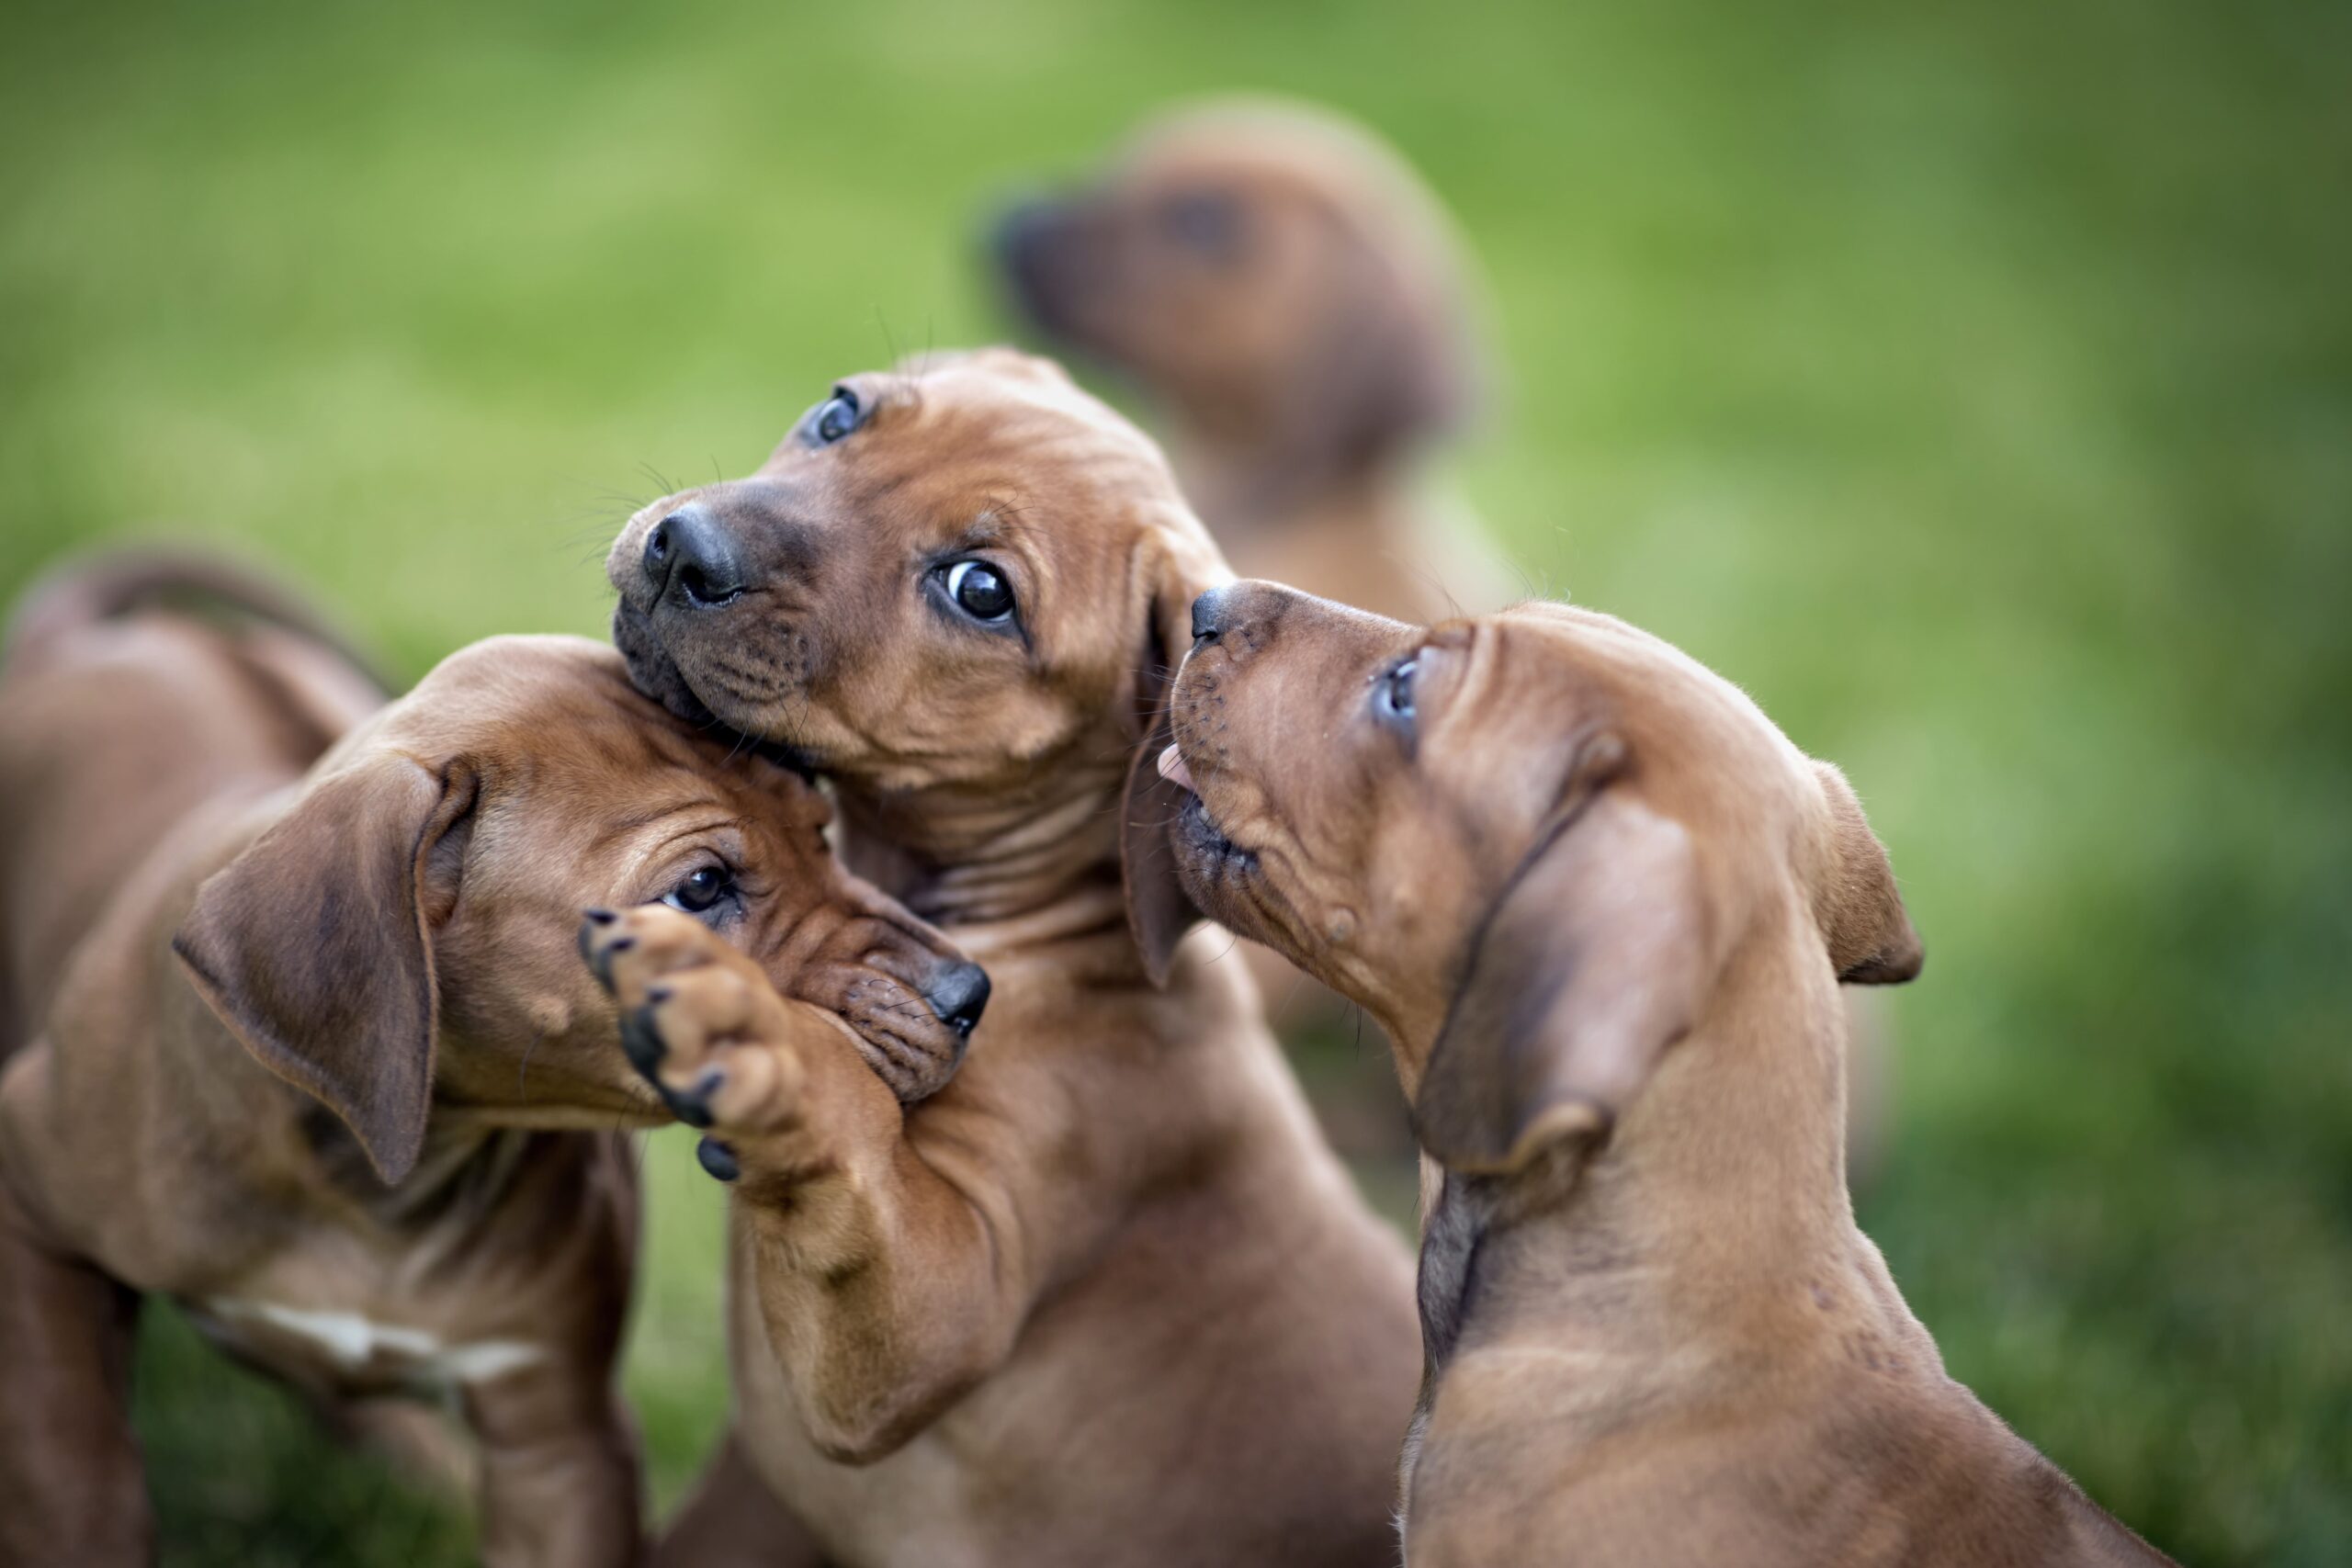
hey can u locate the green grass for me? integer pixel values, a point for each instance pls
(1974, 384)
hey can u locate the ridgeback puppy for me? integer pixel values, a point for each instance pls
(314, 1064)
(1293, 300)
(1602, 907)
(1107, 1298)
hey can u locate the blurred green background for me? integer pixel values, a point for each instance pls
(1971, 383)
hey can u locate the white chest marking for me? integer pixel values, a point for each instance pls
(354, 1342)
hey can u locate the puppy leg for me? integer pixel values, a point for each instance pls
(734, 1521)
(559, 1470)
(72, 1487)
(894, 1272)
(704, 1025)
(418, 1441)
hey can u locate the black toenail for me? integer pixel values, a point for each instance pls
(659, 993)
(718, 1159)
(600, 959)
(641, 1042)
(602, 917)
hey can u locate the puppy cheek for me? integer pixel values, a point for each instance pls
(551, 1016)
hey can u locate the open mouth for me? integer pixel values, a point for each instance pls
(1203, 849)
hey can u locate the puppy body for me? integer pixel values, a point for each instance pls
(1684, 1350)
(312, 1068)
(1652, 1331)
(1121, 1371)
(1107, 1298)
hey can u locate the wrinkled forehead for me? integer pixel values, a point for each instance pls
(523, 694)
(1570, 669)
(1002, 397)
(1007, 441)
(561, 711)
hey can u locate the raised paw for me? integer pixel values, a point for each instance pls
(697, 1018)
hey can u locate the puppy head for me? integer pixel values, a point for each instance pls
(966, 576)
(1274, 277)
(1527, 842)
(405, 933)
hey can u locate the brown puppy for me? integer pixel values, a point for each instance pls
(1653, 1333)
(332, 1125)
(1293, 300)
(1107, 1299)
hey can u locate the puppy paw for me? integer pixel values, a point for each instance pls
(699, 1021)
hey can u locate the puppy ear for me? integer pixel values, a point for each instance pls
(1393, 365)
(1862, 915)
(1159, 910)
(1595, 959)
(312, 947)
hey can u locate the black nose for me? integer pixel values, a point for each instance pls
(1021, 232)
(1209, 614)
(689, 555)
(959, 994)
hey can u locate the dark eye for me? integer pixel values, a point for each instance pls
(1206, 223)
(1392, 693)
(835, 417)
(699, 891)
(979, 590)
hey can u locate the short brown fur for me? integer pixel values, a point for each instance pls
(1652, 1331)
(1107, 1299)
(339, 1126)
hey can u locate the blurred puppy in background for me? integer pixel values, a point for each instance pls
(1295, 306)
(295, 1031)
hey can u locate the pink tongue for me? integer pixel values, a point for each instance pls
(1172, 769)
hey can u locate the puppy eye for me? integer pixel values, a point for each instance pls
(835, 417)
(1392, 693)
(981, 590)
(701, 890)
(1205, 222)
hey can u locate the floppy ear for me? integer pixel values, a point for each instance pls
(311, 946)
(1596, 958)
(1159, 910)
(1393, 364)
(1861, 914)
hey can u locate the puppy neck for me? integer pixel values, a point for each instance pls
(1039, 859)
(1244, 490)
(1707, 1240)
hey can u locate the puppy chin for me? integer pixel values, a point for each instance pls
(652, 672)
(891, 1029)
(1215, 871)
(650, 668)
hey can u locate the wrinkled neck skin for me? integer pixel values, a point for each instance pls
(1707, 1242)
(1032, 863)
